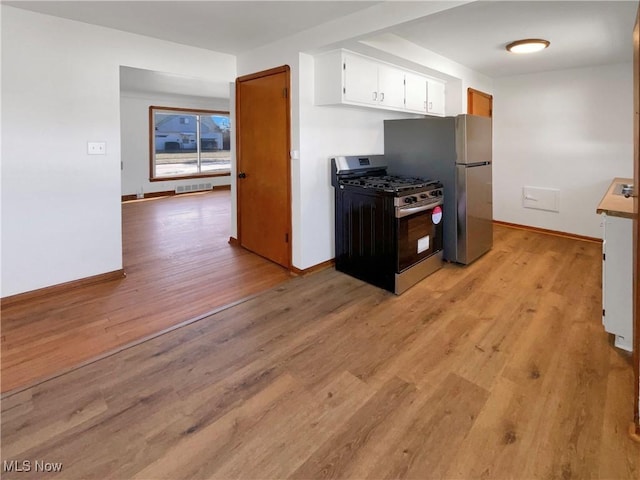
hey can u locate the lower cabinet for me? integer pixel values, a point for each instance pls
(617, 279)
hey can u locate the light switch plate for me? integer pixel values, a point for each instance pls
(97, 148)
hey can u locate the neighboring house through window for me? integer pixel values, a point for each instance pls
(185, 143)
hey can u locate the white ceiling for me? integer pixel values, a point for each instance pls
(582, 33)
(224, 26)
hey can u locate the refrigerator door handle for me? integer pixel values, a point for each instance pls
(476, 164)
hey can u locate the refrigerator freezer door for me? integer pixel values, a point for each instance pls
(475, 212)
(473, 139)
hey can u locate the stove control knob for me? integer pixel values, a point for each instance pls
(424, 195)
(408, 200)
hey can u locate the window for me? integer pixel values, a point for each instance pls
(188, 143)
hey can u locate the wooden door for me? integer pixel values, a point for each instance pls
(264, 173)
(636, 225)
(479, 103)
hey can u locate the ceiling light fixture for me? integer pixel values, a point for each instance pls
(529, 45)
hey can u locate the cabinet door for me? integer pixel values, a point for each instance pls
(390, 87)
(360, 80)
(618, 281)
(415, 93)
(435, 98)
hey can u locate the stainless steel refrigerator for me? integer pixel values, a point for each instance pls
(457, 152)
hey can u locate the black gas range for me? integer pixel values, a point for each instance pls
(388, 229)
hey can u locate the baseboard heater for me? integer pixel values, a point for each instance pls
(197, 187)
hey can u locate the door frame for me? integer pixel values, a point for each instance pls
(634, 430)
(239, 207)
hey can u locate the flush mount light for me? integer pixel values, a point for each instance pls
(529, 45)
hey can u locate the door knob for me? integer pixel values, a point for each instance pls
(242, 175)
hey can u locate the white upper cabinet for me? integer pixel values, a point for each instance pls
(435, 98)
(372, 83)
(390, 87)
(416, 93)
(360, 83)
(343, 77)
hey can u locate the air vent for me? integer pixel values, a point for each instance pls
(197, 187)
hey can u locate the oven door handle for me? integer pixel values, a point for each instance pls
(405, 212)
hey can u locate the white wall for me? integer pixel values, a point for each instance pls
(570, 130)
(61, 213)
(134, 137)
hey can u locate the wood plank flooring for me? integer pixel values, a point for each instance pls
(179, 265)
(497, 370)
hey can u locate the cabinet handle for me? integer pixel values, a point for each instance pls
(430, 105)
(382, 96)
(375, 95)
(425, 104)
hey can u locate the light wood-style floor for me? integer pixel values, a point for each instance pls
(179, 265)
(498, 370)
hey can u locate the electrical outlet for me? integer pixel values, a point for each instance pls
(96, 148)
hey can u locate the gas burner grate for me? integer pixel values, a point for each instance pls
(387, 183)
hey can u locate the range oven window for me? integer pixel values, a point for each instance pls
(418, 237)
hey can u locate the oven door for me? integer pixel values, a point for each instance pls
(419, 230)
